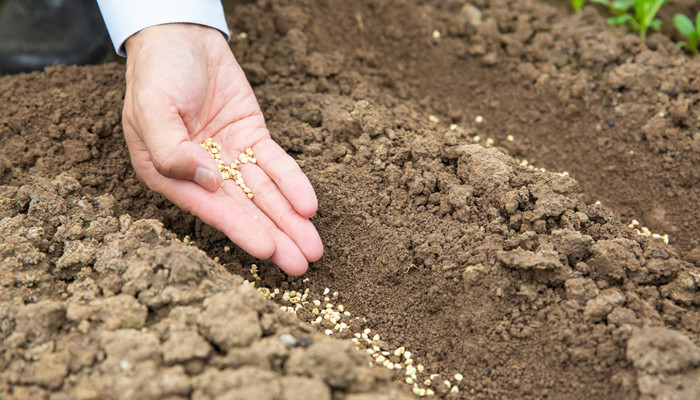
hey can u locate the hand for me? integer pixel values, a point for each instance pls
(183, 85)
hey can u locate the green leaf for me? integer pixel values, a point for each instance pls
(683, 24)
(622, 5)
(621, 20)
(697, 22)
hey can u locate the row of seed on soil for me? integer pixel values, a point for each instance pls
(635, 225)
(332, 318)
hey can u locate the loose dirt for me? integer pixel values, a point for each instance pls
(512, 277)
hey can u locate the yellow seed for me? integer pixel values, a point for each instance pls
(250, 195)
(249, 151)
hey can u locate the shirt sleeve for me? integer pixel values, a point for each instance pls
(126, 17)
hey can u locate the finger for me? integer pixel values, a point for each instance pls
(218, 210)
(287, 175)
(287, 254)
(271, 201)
(172, 152)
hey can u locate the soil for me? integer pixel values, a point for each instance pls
(513, 277)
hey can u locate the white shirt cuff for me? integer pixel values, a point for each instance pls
(126, 17)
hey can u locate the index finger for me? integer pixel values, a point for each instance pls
(287, 175)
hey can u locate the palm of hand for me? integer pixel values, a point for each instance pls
(176, 98)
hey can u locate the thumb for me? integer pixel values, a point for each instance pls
(189, 161)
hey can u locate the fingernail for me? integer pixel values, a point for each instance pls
(205, 178)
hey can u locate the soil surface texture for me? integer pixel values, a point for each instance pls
(478, 168)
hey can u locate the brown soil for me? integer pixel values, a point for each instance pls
(512, 277)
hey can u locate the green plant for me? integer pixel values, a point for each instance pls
(577, 5)
(616, 7)
(691, 32)
(642, 18)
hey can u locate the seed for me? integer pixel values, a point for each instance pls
(436, 34)
(433, 119)
(447, 383)
(420, 368)
(250, 195)
(510, 138)
(455, 389)
(459, 377)
(409, 380)
(479, 119)
(249, 151)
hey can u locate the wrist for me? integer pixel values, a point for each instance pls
(177, 33)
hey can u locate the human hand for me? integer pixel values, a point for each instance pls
(183, 85)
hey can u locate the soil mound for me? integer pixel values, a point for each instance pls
(480, 266)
